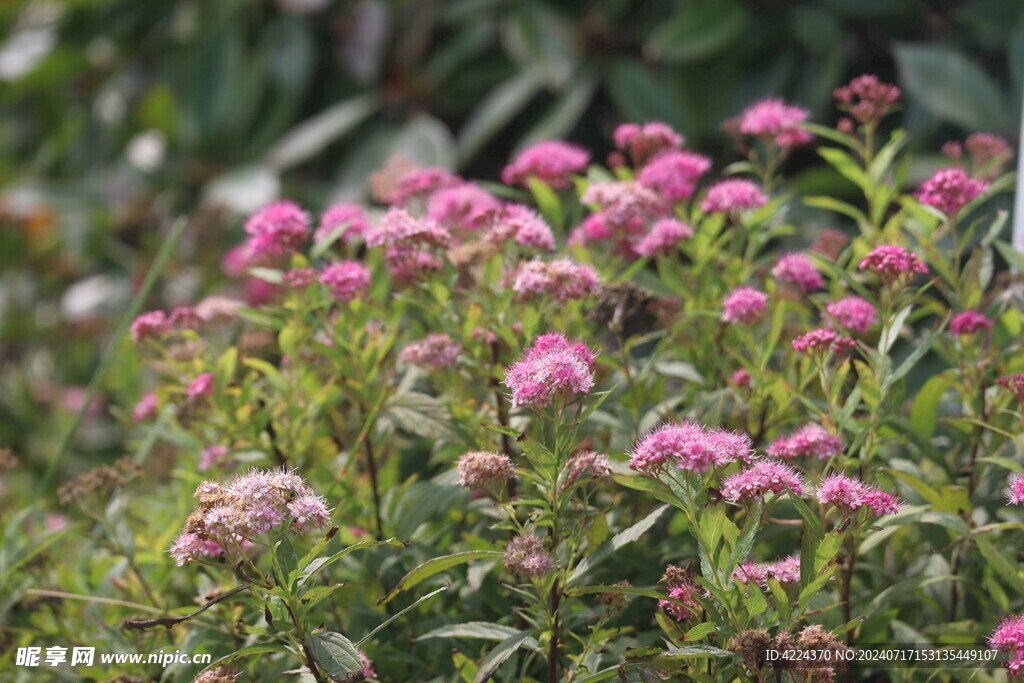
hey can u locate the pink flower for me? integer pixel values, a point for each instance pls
(949, 189)
(683, 593)
(151, 324)
(745, 305)
(346, 280)
(969, 322)
(763, 477)
(1015, 492)
(523, 225)
(299, 278)
(415, 182)
(821, 340)
(367, 671)
(750, 572)
(674, 174)
(1008, 637)
(477, 469)
(850, 495)
(211, 456)
(799, 270)
(399, 228)
(852, 313)
(347, 219)
(1014, 384)
(146, 408)
(811, 440)
(625, 204)
(690, 447)
(786, 571)
(646, 141)
(277, 230)
(464, 206)
(892, 262)
(883, 503)
(665, 235)
(741, 377)
(733, 195)
(185, 318)
(201, 386)
(867, 98)
(551, 161)
(563, 280)
(436, 352)
(829, 243)
(526, 556)
(989, 153)
(773, 118)
(409, 264)
(585, 464)
(552, 366)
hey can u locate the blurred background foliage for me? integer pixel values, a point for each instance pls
(118, 115)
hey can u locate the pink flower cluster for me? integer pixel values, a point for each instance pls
(526, 556)
(646, 141)
(521, 224)
(462, 206)
(892, 262)
(299, 278)
(867, 98)
(1008, 638)
(799, 270)
(733, 195)
(347, 219)
(665, 235)
(950, 189)
(683, 593)
(436, 352)
(760, 479)
(811, 440)
(252, 505)
(852, 313)
(969, 322)
(674, 174)
(407, 182)
(212, 456)
(786, 571)
(690, 447)
(478, 469)
(829, 243)
(551, 161)
(146, 408)
(346, 280)
(553, 366)
(822, 340)
(277, 230)
(1015, 490)
(563, 280)
(744, 305)
(1014, 384)
(200, 387)
(408, 242)
(850, 495)
(625, 205)
(156, 324)
(585, 464)
(776, 120)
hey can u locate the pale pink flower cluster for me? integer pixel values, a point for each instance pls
(1015, 491)
(408, 242)
(950, 189)
(521, 224)
(741, 377)
(683, 593)
(277, 230)
(829, 243)
(478, 469)
(744, 305)
(852, 313)
(674, 174)
(149, 324)
(1008, 638)
(850, 495)
(665, 236)
(811, 440)
(146, 408)
(644, 142)
(585, 464)
(252, 505)
(625, 204)
(799, 270)
(892, 262)
(553, 162)
(786, 571)
(463, 206)
(689, 446)
(969, 322)
(733, 195)
(211, 456)
(821, 340)
(436, 352)
(347, 219)
(761, 478)
(415, 183)
(867, 98)
(563, 280)
(773, 118)
(552, 366)
(346, 280)
(299, 278)
(200, 387)
(526, 556)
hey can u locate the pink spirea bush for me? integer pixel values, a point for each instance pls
(690, 447)
(773, 118)
(553, 366)
(665, 236)
(744, 305)
(562, 280)
(674, 174)
(551, 161)
(799, 270)
(436, 352)
(347, 219)
(646, 141)
(761, 478)
(729, 196)
(810, 441)
(950, 189)
(277, 230)
(346, 280)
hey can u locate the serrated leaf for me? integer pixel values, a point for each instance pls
(334, 653)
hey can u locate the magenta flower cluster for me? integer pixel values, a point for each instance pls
(643, 142)
(732, 196)
(347, 220)
(867, 98)
(1008, 637)
(744, 305)
(553, 366)
(522, 225)
(436, 352)
(762, 478)
(664, 237)
(799, 270)
(810, 441)
(969, 322)
(690, 447)
(346, 280)
(891, 262)
(822, 340)
(562, 280)
(950, 189)
(852, 313)
(775, 120)
(551, 161)
(683, 593)
(850, 495)
(1015, 491)
(277, 230)
(786, 571)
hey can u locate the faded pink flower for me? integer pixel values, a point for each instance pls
(398, 228)
(185, 318)
(211, 455)
(477, 469)
(741, 377)
(799, 270)
(950, 189)
(730, 196)
(552, 366)
(989, 154)
(347, 219)
(625, 204)
(665, 235)
(436, 352)
(811, 440)
(1015, 491)
(867, 98)
(563, 280)
(1014, 384)
(829, 243)
(821, 340)
(786, 571)
(526, 556)
(414, 183)
(146, 408)
(643, 142)
(744, 305)
(409, 264)
(852, 313)
(585, 464)
(892, 262)
(674, 174)
(773, 118)
(969, 322)
(690, 447)
(761, 478)
(277, 230)
(553, 162)
(346, 280)
(521, 224)
(200, 387)
(150, 324)
(463, 206)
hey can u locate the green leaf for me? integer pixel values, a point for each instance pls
(924, 412)
(698, 30)
(500, 653)
(334, 653)
(891, 332)
(500, 106)
(548, 201)
(384, 624)
(781, 598)
(311, 136)
(700, 631)
(846, 166)
(482, 630)
(746, 540)
(618, 540)
(923, 346)
(308, 567)
(435, 566)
